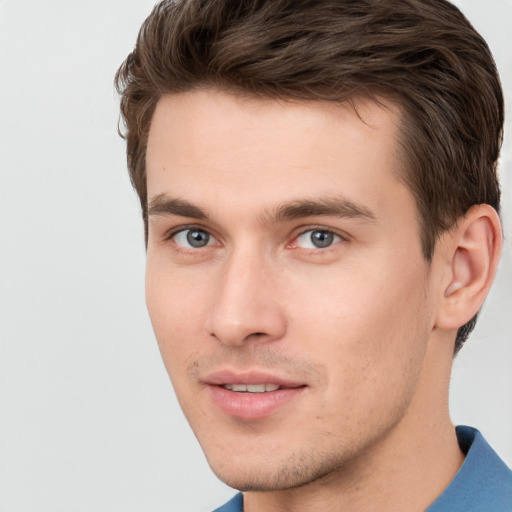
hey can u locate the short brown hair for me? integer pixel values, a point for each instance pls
(423, 55)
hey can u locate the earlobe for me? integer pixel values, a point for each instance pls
(474, 248)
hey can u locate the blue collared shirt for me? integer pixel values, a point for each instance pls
(482, 484)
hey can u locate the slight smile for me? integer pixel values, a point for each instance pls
(251, 396)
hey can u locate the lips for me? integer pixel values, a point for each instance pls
(251, 395)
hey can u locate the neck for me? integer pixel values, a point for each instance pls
(406, 470)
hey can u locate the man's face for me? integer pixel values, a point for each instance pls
(285, 281)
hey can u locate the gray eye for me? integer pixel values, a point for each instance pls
(317, 239)
(321, 239)
(195, 238)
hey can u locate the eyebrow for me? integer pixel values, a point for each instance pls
(335, 206)
(327, 206)
(165, 205)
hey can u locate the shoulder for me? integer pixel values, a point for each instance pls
(483, 483)
(235, 504)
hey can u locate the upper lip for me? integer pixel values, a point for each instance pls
(220, 378)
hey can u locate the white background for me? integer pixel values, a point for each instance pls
(88, 418)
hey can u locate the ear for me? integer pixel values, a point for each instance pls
(471, 253)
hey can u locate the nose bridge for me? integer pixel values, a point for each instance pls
(245, 306)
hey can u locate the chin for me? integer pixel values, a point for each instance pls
(297, 470)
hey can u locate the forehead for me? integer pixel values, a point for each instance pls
(203, 112)
(206, 142)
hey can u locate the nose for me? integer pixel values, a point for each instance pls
(246, 307)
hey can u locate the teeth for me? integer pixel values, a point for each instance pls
(251, 388)
(256, 388)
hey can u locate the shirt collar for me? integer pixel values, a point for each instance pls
(482, 483)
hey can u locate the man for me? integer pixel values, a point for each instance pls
(319, 190)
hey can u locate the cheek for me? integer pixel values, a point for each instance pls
(358, 302)
(369, 325)
(175, 308)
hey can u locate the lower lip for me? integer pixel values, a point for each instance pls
(252, 406)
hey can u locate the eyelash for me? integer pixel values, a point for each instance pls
(343, 238)
(168, 237)
(317, 250)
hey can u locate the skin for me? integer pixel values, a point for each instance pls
(365, 325)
